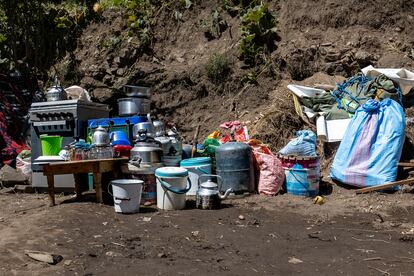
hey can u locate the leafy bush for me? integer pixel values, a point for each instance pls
(233, 7)
(218, 67)
(258, 28)
(214, 26)
(140, 20)
(110, 4)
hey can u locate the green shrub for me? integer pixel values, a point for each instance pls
(233, 7)
(258, 28)
(218, 67)
(214, 26)
(110, 4)
(140, 20)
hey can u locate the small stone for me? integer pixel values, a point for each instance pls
(294, 260)
(120, 71)
(162, 255)
(146, 219)
(241, 217)
(326, 44)
(111, 254)
(117, 60)
(398, 29)
(67, 262)
(195, 233)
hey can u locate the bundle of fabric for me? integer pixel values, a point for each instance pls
(347, 97)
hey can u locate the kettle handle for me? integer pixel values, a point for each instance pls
(219, 179)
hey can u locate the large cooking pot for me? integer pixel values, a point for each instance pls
(146, 152)
(137, 91)
(133, 106)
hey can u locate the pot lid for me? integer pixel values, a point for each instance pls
(209, 184)
(147, 143)
(101, 128)
(125, 100)
(198, 161)
(171, 172)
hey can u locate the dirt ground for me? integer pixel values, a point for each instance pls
(348, 235)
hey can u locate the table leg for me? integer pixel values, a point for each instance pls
(97, 177)
(78, 184)
(51, 188)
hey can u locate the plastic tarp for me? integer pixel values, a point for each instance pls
(371, 147)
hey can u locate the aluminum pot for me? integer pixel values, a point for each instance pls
(147, 126)
(137, 91)
(133, 106)
(148, 152)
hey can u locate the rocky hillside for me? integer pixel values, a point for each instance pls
(193, 61)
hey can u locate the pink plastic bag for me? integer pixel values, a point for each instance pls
(269, 171)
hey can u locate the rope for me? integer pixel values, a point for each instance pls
(342, 91)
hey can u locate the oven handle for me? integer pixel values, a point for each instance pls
(50, 123)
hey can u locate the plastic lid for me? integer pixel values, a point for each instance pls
(198, 161)
(171, 172)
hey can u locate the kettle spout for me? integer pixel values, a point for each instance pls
(226, 194)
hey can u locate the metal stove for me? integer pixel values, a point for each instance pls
(65, 118)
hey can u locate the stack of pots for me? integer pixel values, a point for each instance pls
(138, 101)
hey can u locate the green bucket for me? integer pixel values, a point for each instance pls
(51, 145)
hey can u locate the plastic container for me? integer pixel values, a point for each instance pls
(119, 138)
(302, 175)
(51, 145)
(234, 163)
(196, 167)
(127, 195)
(121, 151)
(172, 185)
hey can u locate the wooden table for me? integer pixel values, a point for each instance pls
(97, 167)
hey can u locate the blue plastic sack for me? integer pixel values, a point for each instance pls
(303, 145)
(371, 147)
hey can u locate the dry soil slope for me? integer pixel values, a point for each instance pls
(329, 36)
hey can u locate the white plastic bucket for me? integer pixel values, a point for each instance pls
(171, 161)
(127, 195)
(172, 187)
(196, 167)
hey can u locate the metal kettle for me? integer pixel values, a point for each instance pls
(56, 92)
(208, 194)
(100, 137)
